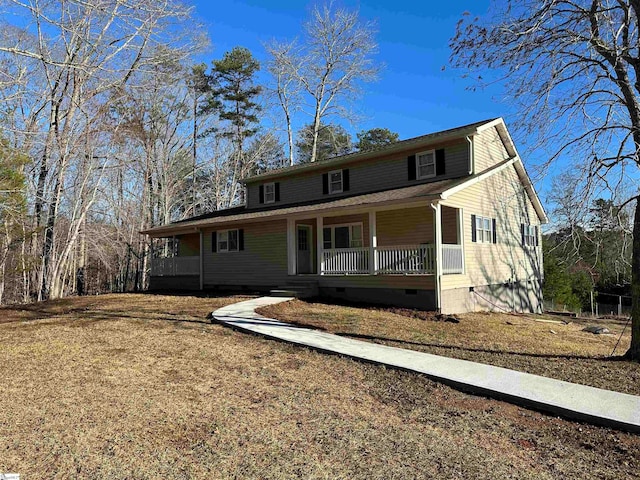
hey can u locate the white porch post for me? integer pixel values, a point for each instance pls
(461, 236)
(373, 244)
(291, 246)
(201, 260)
(320, 245)
(438, 239)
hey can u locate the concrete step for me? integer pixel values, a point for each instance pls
(281, 292)
(297, 291)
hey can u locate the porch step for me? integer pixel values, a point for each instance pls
(297, 289)
(282, 292)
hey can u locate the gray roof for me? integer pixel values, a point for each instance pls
(441, 136)
(425, 191)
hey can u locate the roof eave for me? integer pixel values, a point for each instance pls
(419, 142)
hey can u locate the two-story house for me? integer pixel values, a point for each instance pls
(447, 221)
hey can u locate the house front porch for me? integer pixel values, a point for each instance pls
(176, 262)
(410, 241)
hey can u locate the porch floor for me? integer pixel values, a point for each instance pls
(595, 405)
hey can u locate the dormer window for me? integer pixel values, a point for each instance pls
(335, 181)
(425, 164)
(269, 192)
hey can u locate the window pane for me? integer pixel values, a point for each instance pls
(342, 237)
(356, 236)
(487, 224)
(269, 193)
(233, 240)
(326, 238)
(222, 241)
(478, 223)
(336, 177)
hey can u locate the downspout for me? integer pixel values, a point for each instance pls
(472, 166)
(438, 246)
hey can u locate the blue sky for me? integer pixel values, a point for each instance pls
(417, 92)
(414, 94)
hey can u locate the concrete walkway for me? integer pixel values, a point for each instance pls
(594, 405)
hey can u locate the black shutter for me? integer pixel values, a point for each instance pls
(240, 239)
(214, 242)
(277, 188)
(440, 162)
(473, 228)
(325, 183)
(522, 233)
(261, 193)
(345, 180)
(495, 235)
(537, 241)
(411, 167)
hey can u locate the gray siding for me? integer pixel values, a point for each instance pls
(263, 261)
(365, 176)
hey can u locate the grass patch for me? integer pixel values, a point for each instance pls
(140, 386)
(518, 342)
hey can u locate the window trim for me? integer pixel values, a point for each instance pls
(331, 190)
(433, 156)
(273, 192)
(332, 227)
(529, 237)
(219, 233)
(480, 232)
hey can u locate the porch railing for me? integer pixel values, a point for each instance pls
(402, 259)
(452, 261)
(406, 259)
(346, 260)
(173, 266)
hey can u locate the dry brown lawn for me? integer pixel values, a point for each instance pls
(519, 342)
(141, 387)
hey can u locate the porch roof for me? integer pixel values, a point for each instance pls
(425, 191)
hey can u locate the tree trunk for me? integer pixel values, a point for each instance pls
(634, 350)
(316, 129)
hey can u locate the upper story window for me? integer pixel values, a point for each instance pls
(269, 192)
(335, 181)
(483, 229)
(529, 235)
(426, 164)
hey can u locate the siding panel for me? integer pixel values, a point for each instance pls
(365, 176)
(502, 197)
(263, 261)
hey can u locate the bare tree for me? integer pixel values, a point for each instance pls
(84, 51)
(330, 66)
(287, 89)
(572, 69)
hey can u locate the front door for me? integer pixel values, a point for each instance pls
(304, 249)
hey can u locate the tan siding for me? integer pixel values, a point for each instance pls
(411, 226)
(366, 176)
(488, 150)
(263, 261)
(502, 197)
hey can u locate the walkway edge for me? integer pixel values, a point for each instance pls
(570, 400)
